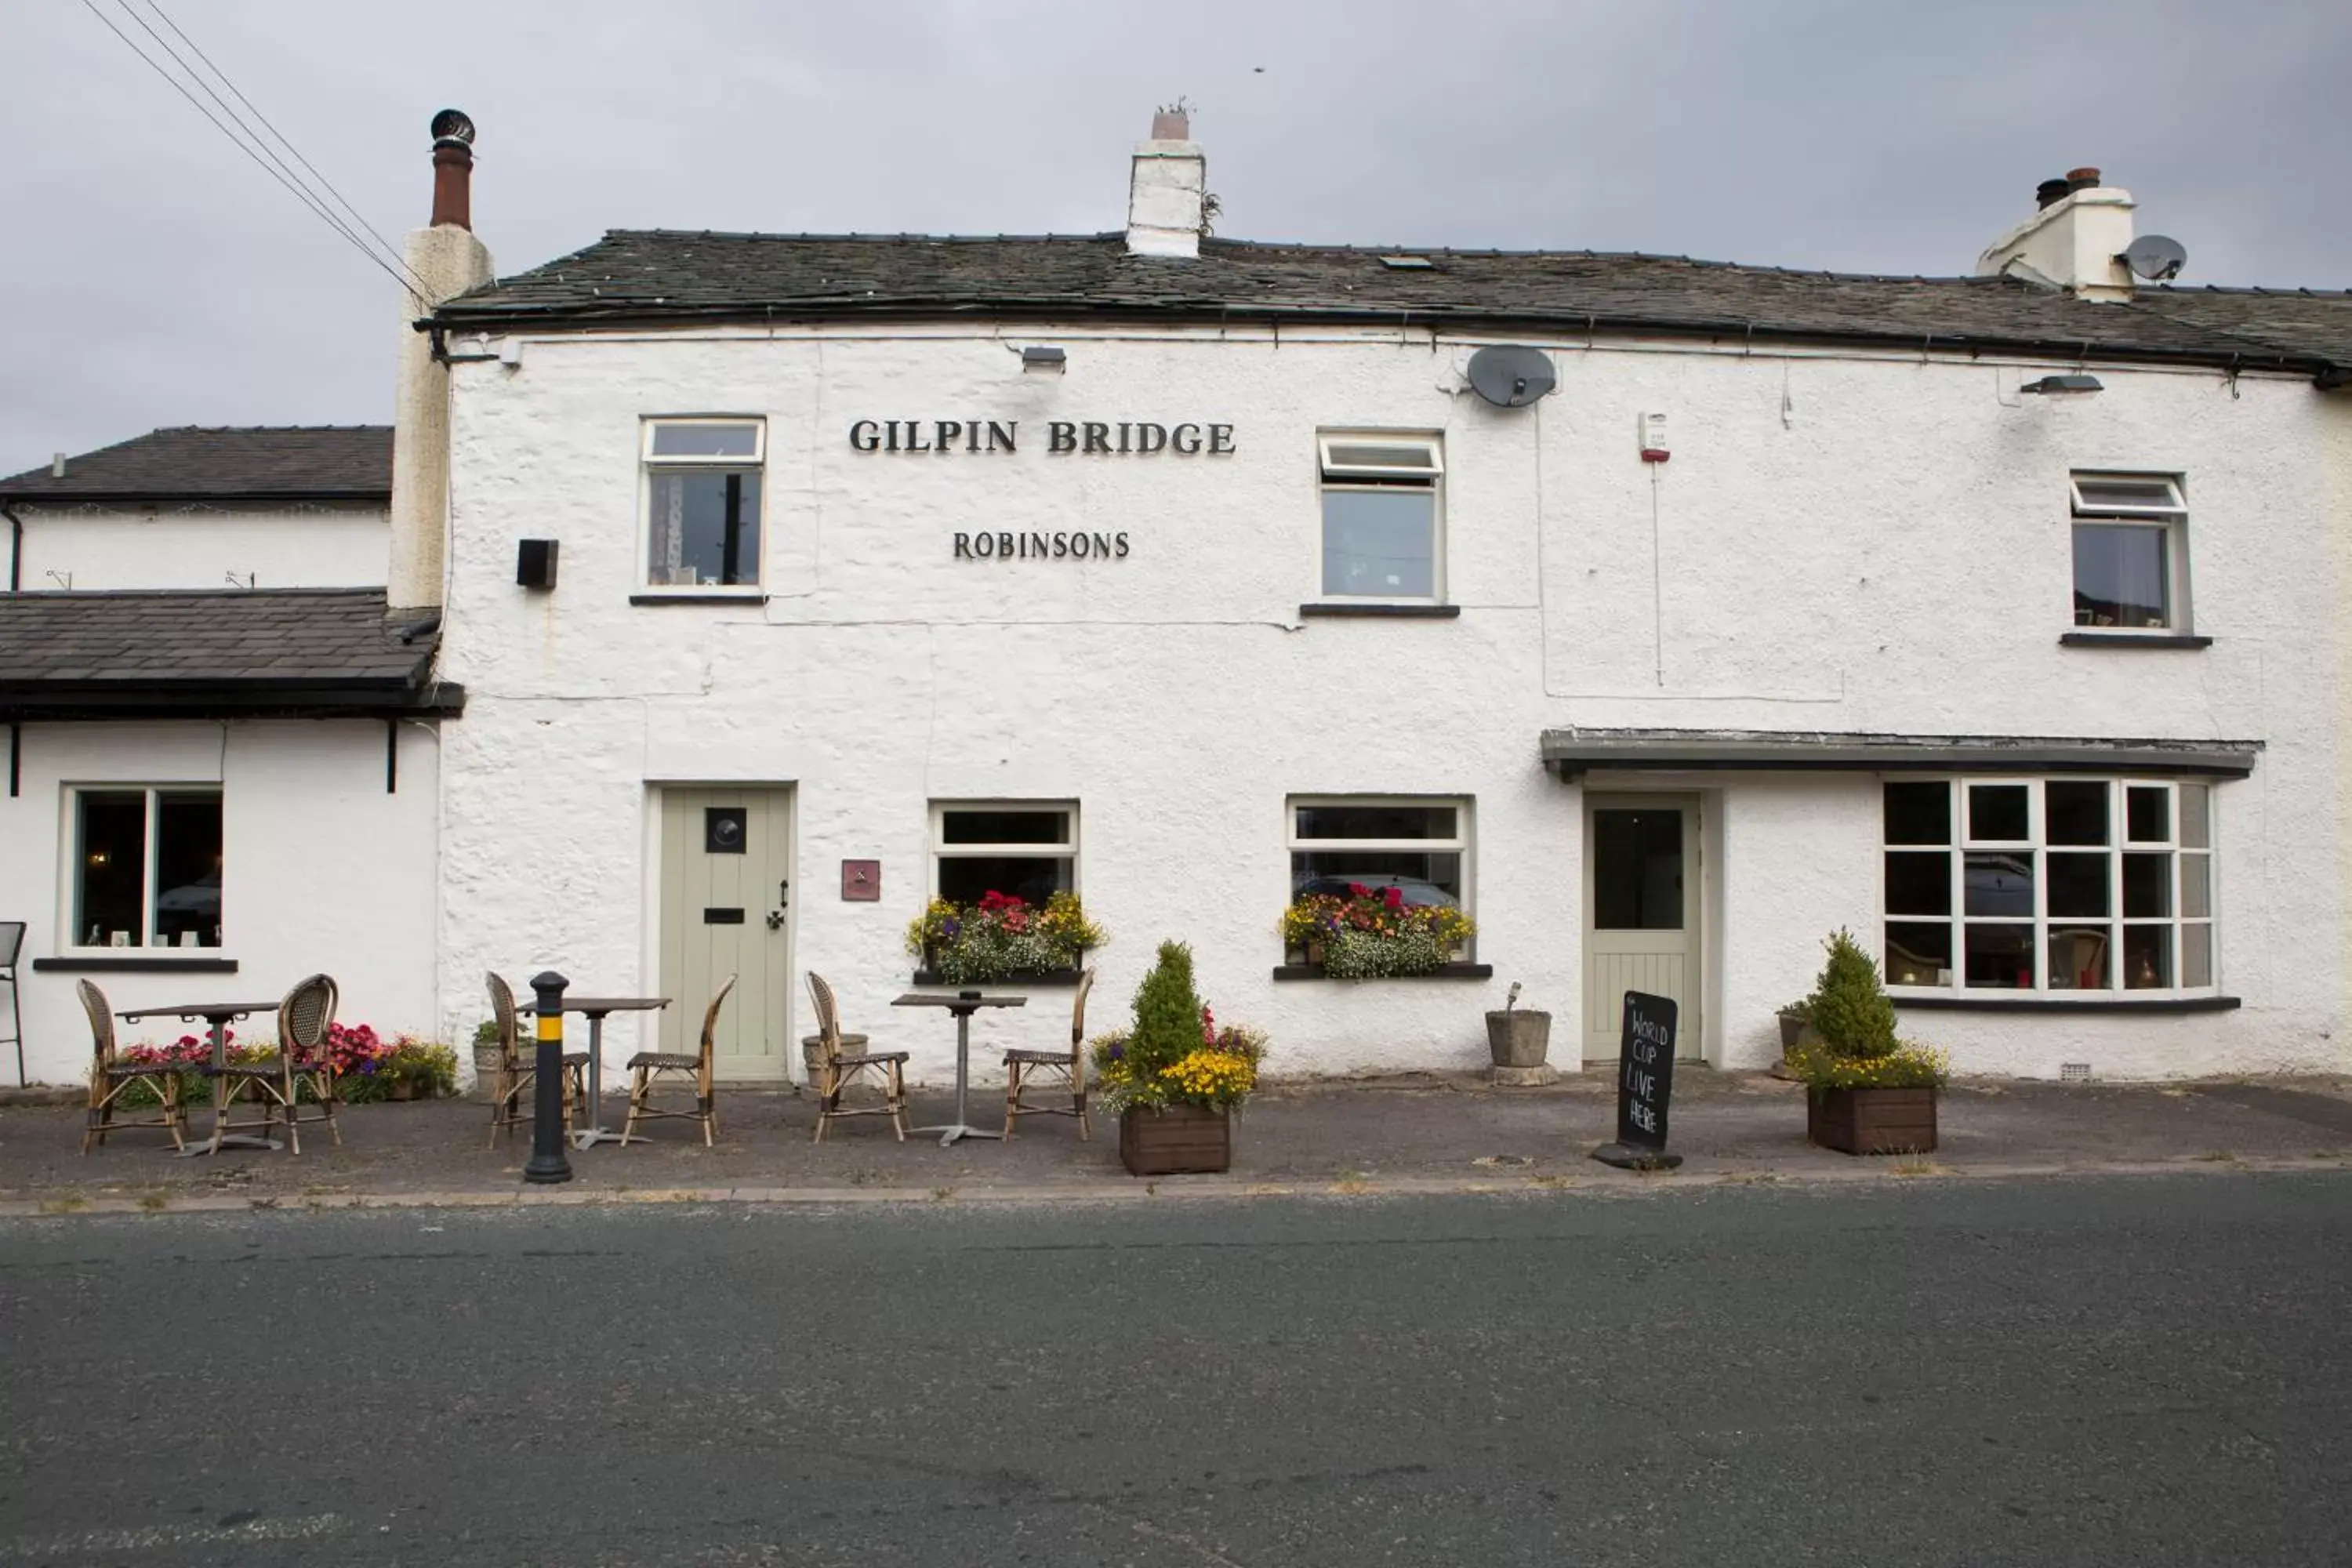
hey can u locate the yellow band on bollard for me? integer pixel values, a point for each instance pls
(550, 1027)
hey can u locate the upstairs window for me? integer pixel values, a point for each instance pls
(2131, 554)
(703, 503)
(1382, 537)
(146, 869)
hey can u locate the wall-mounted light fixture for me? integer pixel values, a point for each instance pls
(2054, 385)
(1044, 356)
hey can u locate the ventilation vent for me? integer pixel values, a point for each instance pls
(2074, 1072)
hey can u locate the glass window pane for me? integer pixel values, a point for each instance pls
(2147, 886)
(706, 440)
(1919, 883)
(1999, 812)
(1919, 813)
(2078, 957)
(1380, 543)
(2078, 885)
(1004, 826)
(110, 879)
(187, 869)
(1034, 877)
(2000, 884)
(1637, 869)
(1919, 954)
(2076, 810)
(1410, 455)
(2119, 575)
(2000, 957)
(1422, 878)
(2147, 818)
(2108, 490)
(2195, 800)
(2197, 955)
(703, 528)
(1375, 822)
(2147, 957)
(2197, 886)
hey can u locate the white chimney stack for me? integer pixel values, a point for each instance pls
(2076, 242)
(1167, 194)
(447, 260)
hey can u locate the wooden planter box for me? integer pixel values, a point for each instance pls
(1182, 1139)
(1871, 1121)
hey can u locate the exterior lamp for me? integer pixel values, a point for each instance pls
(2055, 384)
(1044, 356)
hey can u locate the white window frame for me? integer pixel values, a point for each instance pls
(2169, 512)
(1960, 842)
(1067, 848)
(1460, 844)
(69, 868)
(1334, 473)
(649, 465)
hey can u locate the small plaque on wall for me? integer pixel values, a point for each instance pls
(861, 882)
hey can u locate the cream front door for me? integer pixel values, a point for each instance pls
(1641, 914)
(726, 909)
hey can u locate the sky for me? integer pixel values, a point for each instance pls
(155, 276)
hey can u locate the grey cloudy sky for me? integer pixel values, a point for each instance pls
(155, 277)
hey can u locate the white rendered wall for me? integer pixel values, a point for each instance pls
(321, 870)
(102, 548)
(1837, 544)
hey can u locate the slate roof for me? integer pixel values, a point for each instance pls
(646, 275)
(256, 463)
(154, 648)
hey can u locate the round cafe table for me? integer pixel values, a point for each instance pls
(219, 1014)
(595, 1009)
(964, 1006)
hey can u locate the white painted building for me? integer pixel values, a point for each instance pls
(1169, 569)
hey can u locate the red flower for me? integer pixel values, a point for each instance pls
(1358, 891)
(1393, 897)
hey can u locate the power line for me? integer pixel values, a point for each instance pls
(299, 193)
(388, 247)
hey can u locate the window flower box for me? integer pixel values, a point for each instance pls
(1003, 938)
(1374, 933)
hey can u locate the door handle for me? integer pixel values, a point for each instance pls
(783, 902)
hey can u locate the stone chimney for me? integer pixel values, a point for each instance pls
(447, 260)
(2073, 242)
(1167, 194)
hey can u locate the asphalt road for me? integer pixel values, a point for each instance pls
(2134, 1371)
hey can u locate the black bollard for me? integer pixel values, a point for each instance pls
(547, 1160)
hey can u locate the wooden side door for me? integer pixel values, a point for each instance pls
(726, 909)
(1641, 914)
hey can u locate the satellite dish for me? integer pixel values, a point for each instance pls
(2155, 258)
(1511, 375)
(451, 125)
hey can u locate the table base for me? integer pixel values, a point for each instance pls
(589, 1137)
(958, 1130)
(228, 1140)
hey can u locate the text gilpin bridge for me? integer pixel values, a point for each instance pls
(1063, 437)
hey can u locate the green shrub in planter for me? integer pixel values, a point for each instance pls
(1849, 1007)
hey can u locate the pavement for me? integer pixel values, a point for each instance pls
(1421, 1132)
(2073, 1369)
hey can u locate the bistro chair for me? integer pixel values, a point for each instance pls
(274, 1084)
(511, 1085)
(839, 1067)
(646, 1067)
(306, 1032)
(11, 945)
(1066, 1067)
(110, 1077)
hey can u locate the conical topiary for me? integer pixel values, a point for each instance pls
(1849, 1006)
(1166, 1012)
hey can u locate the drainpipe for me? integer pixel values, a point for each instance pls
(16, 548)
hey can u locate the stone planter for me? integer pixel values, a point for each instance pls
(1795, 1031)
(1180, 1139)
(1871, 1121)
(1517, 1039)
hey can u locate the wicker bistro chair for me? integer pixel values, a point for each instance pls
(511, 1085)
(647, 1067)
(839, 1067)
(1069, 1067)
(273, 1085)
(110, 1076)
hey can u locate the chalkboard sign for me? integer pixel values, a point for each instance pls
(1645, 1081)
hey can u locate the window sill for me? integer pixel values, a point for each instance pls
(1989, 1003)
(2175, 640)
(1021, 977)
(1444, 971)
(690, 597)
(145, 964)
(1399, 612)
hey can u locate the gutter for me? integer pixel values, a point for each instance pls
(16, 547)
